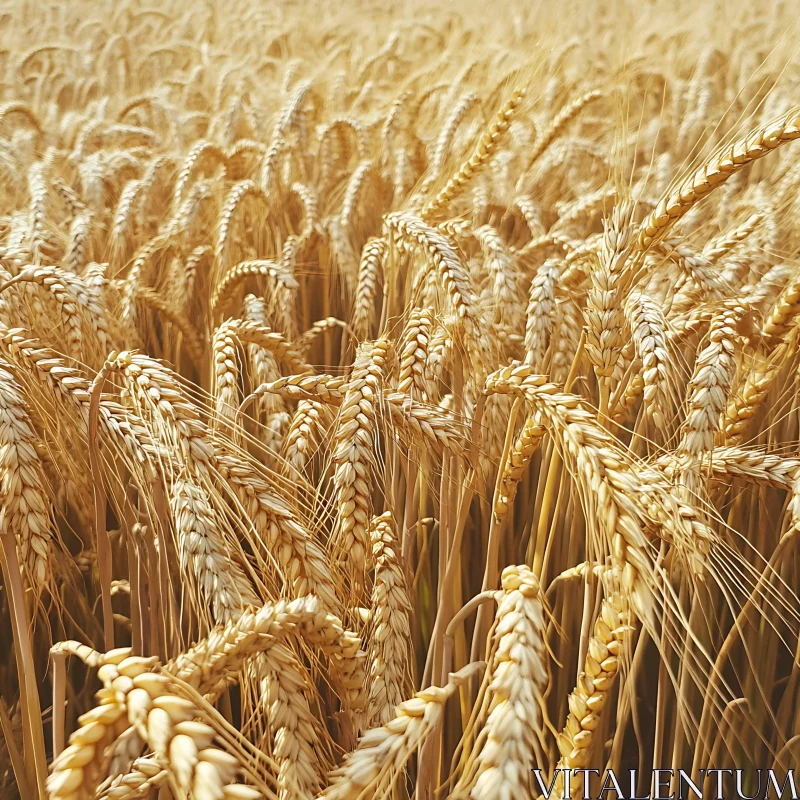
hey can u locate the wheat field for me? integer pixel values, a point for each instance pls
(398, 401)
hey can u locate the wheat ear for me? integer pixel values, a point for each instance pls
(710, 383)
(513, 693)
(522, 451)
(612, 633)
(25, 503)
(560, 122)
(389, 655)
(714, 172)
(383, 752)
(352, 458)
(486, 147)
(413, 352)
(370, 273)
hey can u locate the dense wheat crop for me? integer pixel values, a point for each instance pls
(397, 399)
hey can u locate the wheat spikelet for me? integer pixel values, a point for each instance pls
(214, 661)
(325, 388)
(565, 339)
(226, 368)
(307, 338)
(781, 318)
(412, 231)
(505, 291)
(54, 281)
(763, 293)
(27, 355)
(194, 343)
(200, 150)
(192, 268)
(426, 424)
(310, 423)
(226, 372)
(604, 304)
(718, 247)
(216, 578)
(648, 328)
(752, 389)
(79, 245)
(238, 273)
(311, 220)
(263, 366)
(404, 178)
(353, 195)
(445, 140)
(598, 461)
(238, 194)
(440, 352)
(200, 199)
(560, 122)
(695, 265)
(570, 212)
(22, 109)
(219, 583)
(766, 469)
(41, 245)
(301, 558)
(131, 213)
(135, 278)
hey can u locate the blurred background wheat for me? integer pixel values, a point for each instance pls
(396, 398)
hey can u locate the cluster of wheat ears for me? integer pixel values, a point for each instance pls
(394, 400)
